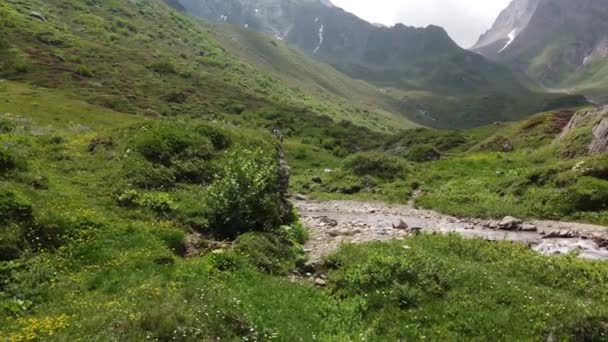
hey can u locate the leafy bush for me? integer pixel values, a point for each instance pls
(14, 209)
(6, 126)
(174, 239)
(422, 153)
(161, 203)
(269, 252)
(244, 195)
(344, 183)
(9, 251)
(165, 143)
(589, 194)
(595, 167)
(164, 68)
(85, 71)
(146, 175)
(376, 164)
(7, 161)
(193, 171)
(218, 138)
(168, 153)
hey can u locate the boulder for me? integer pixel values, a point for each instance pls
(317, 180)
(320, 282)
(599, 144)
(528, 227)
(308, 268)
(300, 197)
(401, 225)
(326, 221)
(561, 234)
(601, 242)
(510, 223)
(37, 15)
(415, 230)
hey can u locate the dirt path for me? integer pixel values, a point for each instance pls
(335, 222)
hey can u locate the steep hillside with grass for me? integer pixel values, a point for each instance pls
(122, 56)
(143, 196)
(299, 71)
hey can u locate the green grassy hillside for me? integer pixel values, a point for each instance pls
(297, 70)
(144, 58)
(519, 169)
(143, 196)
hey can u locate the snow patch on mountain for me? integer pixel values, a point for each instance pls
(320, 39)
(511, 36)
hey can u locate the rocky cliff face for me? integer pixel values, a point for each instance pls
(589, 127)
(559, 43)
(509, 24)
(398, 56)
(274, 17)
(319, 28)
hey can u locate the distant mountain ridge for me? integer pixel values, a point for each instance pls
(559, 43)
(438, 83)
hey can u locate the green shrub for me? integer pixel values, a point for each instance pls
(165, 143)
(244, 195)
(423, 153)
(164, 68)
(85, 71)
(128, 199)
(9, 251)
(344, 183)
(589, 194)
(174, 239)
(14, 209)
(376, 164)
(161, 203)
(193, 171)
(146, 175)
(576, 143)
(174, 153)
(595, 167)
(227, 261)
(6, 126)
(219, 139)
(8, 161)
(296, 232)
(268, 252)
(586, 329)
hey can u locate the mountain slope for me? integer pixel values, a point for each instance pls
(436, 82)
(559, 43)
(144, 58)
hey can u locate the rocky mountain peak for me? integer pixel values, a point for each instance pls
(509, 24)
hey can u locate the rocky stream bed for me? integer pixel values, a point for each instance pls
(335, 222)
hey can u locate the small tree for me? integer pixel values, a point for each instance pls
(244, 196)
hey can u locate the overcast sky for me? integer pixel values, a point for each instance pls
(464, 20)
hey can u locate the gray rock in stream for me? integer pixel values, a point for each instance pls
(528, 227)
(510, 223)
